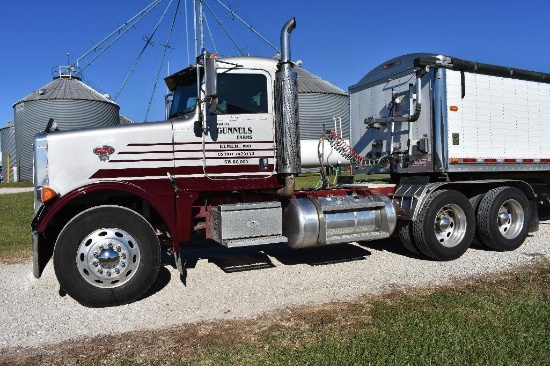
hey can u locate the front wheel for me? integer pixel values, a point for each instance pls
(106, 256)
(445, 225)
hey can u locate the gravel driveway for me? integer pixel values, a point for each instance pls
(243, 283)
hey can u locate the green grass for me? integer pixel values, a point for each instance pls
(16, 214)
(4, 184)
(311, 180)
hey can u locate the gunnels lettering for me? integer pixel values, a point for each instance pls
(235, 130)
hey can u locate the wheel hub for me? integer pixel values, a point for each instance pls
(108, 257)
(445, 223)
(503, 217)
(510, 219)
(449, 225)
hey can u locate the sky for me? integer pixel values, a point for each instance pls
(339, 41)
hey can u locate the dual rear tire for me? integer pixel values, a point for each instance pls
(448, 222)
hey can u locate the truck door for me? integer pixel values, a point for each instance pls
(238, 142)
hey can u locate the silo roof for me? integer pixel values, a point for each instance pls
(310, 83)
(307, 82)
(66, 88)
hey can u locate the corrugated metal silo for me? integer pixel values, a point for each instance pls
(70, 102)
(318, 102)
(7, 138)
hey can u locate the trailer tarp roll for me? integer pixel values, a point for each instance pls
(486, 69)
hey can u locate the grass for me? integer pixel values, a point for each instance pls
(16, 214)
(496, 320)
(15, 185)
(311, 180)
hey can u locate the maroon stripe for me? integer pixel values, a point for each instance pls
(200, 143)
(191, 159)
(145, 152)
(251, 142)
(137, 160)
(250, 149)
(154, 144)
(184, 170)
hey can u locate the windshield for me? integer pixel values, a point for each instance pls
(184, 88)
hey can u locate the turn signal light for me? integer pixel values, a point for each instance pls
(48, 194)
(454, 160)
(454, 108)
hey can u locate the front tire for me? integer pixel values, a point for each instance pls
(106, 256)
(445, 225)
(503, 218)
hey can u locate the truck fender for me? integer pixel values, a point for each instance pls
(43, 249)
(410, 198)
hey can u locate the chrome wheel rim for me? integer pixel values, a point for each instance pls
(450, 225)
(510, 219)
(108, 258)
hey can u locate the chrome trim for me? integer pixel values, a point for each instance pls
(35, 264)
(440, 150)
(40, 167)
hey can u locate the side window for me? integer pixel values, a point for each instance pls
(242, 94)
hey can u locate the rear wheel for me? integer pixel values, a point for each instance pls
(475, 201)
(503, 217)
(445, 225)
(404, 229)
(107, 255)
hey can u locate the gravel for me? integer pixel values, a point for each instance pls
(234, 284)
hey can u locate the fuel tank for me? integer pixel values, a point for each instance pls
(312, 221)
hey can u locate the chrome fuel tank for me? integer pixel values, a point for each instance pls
(311, 221)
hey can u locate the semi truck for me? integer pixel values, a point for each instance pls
(463, 143)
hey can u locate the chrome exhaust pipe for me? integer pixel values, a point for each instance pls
(286, 118)
(289, 26)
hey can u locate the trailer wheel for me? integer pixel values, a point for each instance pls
(404, 229)
(445, 225)
(503, 217)
(106, 256)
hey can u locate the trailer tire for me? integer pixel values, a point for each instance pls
(107, 256)
(404, 229)
(503, 218)
(445, 225)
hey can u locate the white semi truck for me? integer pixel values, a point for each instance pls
(463, 142)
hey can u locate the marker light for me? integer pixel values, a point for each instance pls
(453, 108)
(48, 194)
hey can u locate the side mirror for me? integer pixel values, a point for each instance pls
(210, 81)
(210, 78)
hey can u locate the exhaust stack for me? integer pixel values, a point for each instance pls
(286, 120)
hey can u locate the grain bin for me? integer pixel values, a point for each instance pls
(319, 102)
(70, 102)
(9, 156)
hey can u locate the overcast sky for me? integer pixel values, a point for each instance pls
(338, 40)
